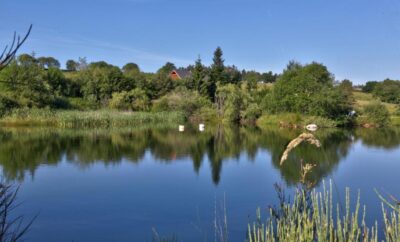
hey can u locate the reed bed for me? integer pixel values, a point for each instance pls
(88, 119)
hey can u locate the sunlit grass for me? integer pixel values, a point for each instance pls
(92, 119)
(310, 217)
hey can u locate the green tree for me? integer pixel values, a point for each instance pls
(23, 82)
(308, 90)
(217, 75)
(48, 62)
(71, 65)
(134, 100)
(167, 68)
(56, 81)
(230, 102)
(130, 67)
(369, 86)
(251, 78)
(26, 60)
(218, 68)
(198, 75)
(99, 81)
(388, 91)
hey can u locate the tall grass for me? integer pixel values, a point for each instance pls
(310, 217)
(90, 119)
(293, 120)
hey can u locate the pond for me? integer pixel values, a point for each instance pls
(130, 184)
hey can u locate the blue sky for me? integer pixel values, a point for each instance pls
(356, 39)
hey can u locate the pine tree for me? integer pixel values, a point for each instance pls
(217, 74)
(218, 68)
(198, 75)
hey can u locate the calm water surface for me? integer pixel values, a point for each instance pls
(122, 185)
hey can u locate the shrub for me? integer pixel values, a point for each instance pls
(82, 103)
(251, 113)
(6, 105)
(134, 100)
(308, 90)
(374, 114)
(181, 100)
(204, 114)
(388, 91)
(230, 102)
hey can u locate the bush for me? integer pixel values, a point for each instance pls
(181, 100)
(230, 102)
(374, 114)
(251, 113)
(308, 90)
(7, 105)
(204, 114)
(388, 91)
(82, 103)
(134, 100)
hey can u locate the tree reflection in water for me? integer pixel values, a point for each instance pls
(23, 150)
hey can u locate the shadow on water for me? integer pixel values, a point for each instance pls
(22, 151)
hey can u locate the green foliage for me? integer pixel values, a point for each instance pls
(6, 105)
(48, 62)
(374, 114)
(198, 76)
(79, 103)
(58, 84)
(93, 119)
(131, 67)
(167, 68)
(310, 218)
(369, 86)
(99, 81)
(71, 65)
(388, 91)
(308, 90)
(294, 120)
(229, 102)
(25, 84)
(134, 100)
(182, 100)
(251, 113)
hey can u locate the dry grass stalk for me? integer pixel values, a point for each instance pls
(304, 137)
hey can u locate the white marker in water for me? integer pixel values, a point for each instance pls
(201, 127)
(181, 128)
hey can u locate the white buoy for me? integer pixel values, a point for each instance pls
(312, 127)
(181, 128)
(201, 127)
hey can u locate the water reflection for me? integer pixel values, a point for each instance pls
(22, 151)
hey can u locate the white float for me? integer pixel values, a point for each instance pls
(312, 127)
(201, 127)
(181, 128)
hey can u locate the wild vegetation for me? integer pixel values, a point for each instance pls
(302, 94)
(312, 216)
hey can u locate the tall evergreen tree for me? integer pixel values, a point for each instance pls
(217, 74)
(218, 67)
(198, 75)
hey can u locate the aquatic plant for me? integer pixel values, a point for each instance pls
(310, 218)
(101, 118)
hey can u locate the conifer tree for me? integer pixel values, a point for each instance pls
(198, 75)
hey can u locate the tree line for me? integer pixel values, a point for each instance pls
(209, 92)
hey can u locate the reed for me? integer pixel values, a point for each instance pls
(88, 119)
(310, 218)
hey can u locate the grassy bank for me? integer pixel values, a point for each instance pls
(92, 119)
(291, 120)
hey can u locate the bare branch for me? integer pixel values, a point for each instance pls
(9, 53)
